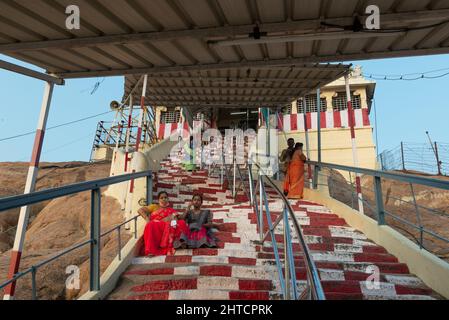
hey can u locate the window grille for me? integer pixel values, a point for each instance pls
(287, 109)
(170, 116)
(339, 102)
(311, 104)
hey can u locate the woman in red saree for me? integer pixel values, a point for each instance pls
(294, 178)
(163, 230)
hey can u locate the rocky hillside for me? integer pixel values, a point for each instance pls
(56, 225)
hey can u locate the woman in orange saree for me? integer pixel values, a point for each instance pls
(294, 178)
(163, 229)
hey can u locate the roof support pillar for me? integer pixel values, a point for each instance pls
(353, 142)
(29, 187)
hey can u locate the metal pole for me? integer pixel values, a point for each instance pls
(30, 184)
(306, 132)
(438, 159)
(278, 176)
(402, 156)
(382, 167)
(95, 227)
(139, 129)
(286, 257)
(261, 207)
(354, 147)
(128, 131)
(379, 201)
(142, 112)
(250, 180)
(150, 189)
(418, 216)
(233, 179)
(318, 122)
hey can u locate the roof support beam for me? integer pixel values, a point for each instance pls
(204, 96)
(224, 88)
(157, 71)
(30, 73)
(388, 21)
(231, 105)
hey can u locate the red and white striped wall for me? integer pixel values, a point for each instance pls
(334, 119)
(165, 130)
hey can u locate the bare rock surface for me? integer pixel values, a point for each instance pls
(56, 226)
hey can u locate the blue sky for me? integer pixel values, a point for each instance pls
(405, 109)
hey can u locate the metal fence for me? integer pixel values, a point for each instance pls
(422, 157)
(95, 229)
(375, 204)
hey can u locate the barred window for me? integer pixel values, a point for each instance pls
(172, 116)
(206, 116)
(311, 104)
(339, 102)
(287, 109)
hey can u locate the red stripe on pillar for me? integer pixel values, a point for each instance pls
(358, 185)
(323, 120)
(309, 120)
(337, 119)
(161, 130)
(293, 122)
(365, 117)
(351, 114)
(139, 134)
(126, 161)
(13, 269)
(174, 126)
(131, 188)
(37, 148)
(280, 122)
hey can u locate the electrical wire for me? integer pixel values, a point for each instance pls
(62, 146)
(408, 76)
(56, 126)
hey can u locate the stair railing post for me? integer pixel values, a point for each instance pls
(233, 179)
(438, 159)
(379, 201)
(402, 156)
(286, 256)
(316, 170)
(261, 195)
(95, 227)
(150, 188)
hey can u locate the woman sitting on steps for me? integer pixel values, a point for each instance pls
(199, 221)
(163, 231)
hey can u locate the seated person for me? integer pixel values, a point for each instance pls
(163, 230)
(199, 225)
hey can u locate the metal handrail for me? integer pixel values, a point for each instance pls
(48, 194)
(96, 235)
(377, 190)
(315, 288)
(409, 178)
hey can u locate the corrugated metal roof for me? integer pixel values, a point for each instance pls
(123, 37)
(234, 87)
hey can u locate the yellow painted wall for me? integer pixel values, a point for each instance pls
(336, 146)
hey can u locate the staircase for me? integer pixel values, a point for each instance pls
(241, 268)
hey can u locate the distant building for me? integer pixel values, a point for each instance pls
(336, 144)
